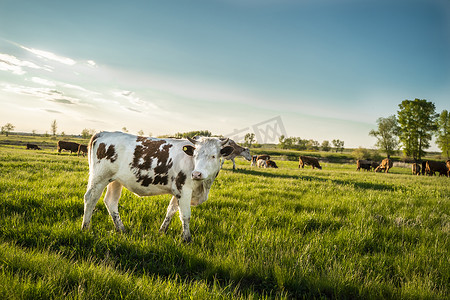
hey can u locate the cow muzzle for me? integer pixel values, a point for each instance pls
(196, 175)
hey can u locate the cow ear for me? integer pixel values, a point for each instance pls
(226, 150)
(189, 150)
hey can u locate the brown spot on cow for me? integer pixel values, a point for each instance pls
(180, 180)
(109, 153)
(145, 154)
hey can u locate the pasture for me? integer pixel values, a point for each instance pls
(263, 233)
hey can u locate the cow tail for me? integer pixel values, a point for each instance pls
(91, 150)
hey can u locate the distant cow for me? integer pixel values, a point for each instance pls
(415, 169)
(436, 166)
(69, 146)
(309, 161)
(271, 164)
(261, 163)
(448, 168)
(364, 164)
(238, 150)
(255, 158)
(146, 166)
(33, 147)
(386, 164)
(82, 149)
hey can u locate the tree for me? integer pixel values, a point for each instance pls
(443, 133)
(386, 134)
(338, 144)
(417, 123)
(361, 153)
(54, 126)
(87, 133)
(249, 139)
(326, 146)
(7, 128)
(312, 145)
(141, 132)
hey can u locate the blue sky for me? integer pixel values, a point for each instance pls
(328, 68)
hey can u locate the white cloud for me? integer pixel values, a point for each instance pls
(41, 93)
(133, 99)
(91, 63)
(50, 56)
(14, 65)
(43, 81)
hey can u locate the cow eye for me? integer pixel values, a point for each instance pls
(213, 156)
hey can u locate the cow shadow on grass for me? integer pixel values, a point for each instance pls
(303, 177)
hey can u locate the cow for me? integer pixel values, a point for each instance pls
(424, 166)
(309, 161)
(82, 149)
(148, 166)
(386, 164)
(415, 169)
(33, 147)
(271, 164)
(448, 167)
(374, 165)
(69, 146)
(436, 166)
(363, 164)
(238, 150)
(255, 158)
(261, 163)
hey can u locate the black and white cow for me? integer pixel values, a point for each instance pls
(151, 166)
(237, 150)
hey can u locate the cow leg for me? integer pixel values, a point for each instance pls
(222, 162)
(91, 197)
(171, 210)
(234, 164)
(185, 214)
(113, 192)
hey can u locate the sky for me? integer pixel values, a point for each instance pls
(322, 69)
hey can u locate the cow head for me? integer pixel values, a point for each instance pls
(206, 153)
(246, 154)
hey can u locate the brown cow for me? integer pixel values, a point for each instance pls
(309, 161)
(436, 166)
(33, 147)
(69, 146)
(448, 168)
(364, 164)
(415, 169)
(82, 149)
(386, 164)
(271, 164)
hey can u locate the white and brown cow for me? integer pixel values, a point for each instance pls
(237, 150)
(146, 166)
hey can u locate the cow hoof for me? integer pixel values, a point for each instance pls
(186, 239)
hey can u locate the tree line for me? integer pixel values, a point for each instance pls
(297, 143)
(412, 129)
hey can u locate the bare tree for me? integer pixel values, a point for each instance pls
(54, 126)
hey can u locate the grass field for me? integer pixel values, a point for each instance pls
(263, 233)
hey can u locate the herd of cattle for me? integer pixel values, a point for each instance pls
(427, 167)
(263, 161)
(62, 145)
(186, 169)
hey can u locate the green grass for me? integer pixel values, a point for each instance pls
(263, 233)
